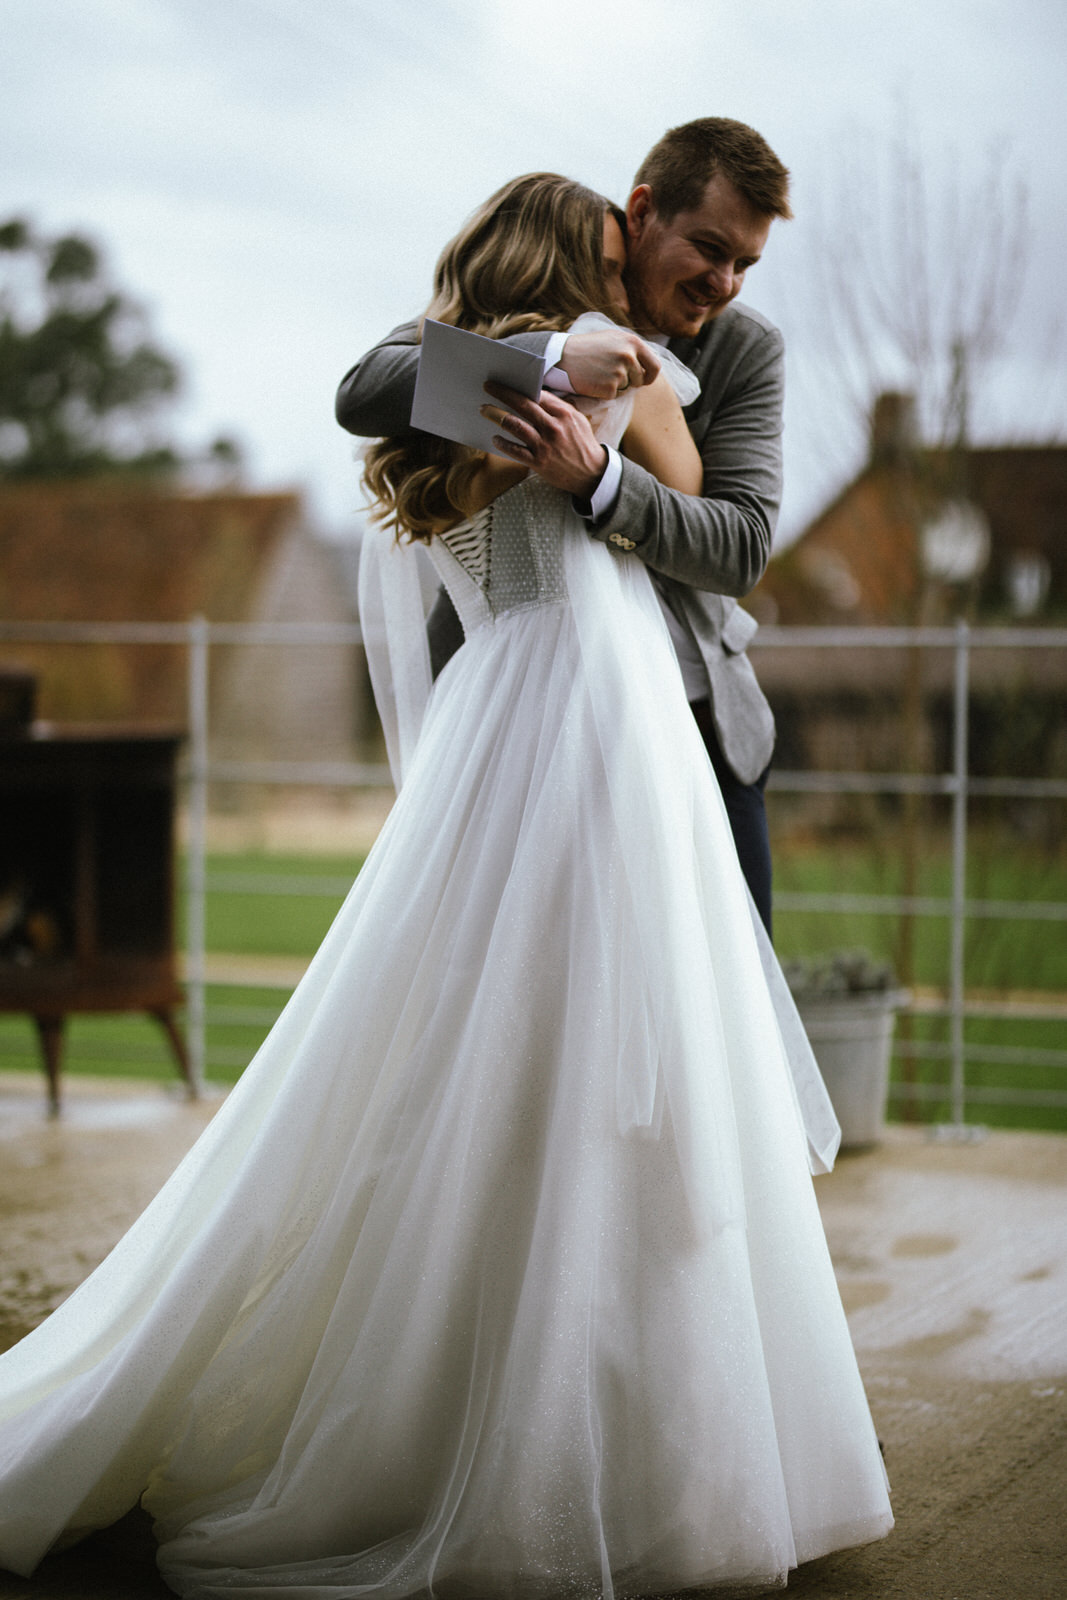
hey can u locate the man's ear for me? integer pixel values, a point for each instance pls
(639, 208)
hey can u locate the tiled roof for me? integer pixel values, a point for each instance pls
(91, 552)
(858, 560)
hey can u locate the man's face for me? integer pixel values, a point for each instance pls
(680, 274)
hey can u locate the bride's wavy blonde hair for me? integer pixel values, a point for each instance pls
(530, 258)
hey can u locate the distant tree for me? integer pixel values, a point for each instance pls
(83, 389)
(912, 283)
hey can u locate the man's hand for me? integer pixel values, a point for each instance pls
(550, 437)
(601, 364)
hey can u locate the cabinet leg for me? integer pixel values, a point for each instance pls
(50, 1033)
(165, 1017)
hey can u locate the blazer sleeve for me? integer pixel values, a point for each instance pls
(721, 540)
(374, 397)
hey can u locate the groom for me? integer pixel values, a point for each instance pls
(701, 209)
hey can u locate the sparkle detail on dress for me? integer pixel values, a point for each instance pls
(507, 557)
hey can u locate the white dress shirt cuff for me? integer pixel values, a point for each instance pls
(555, 378)
(606, 492)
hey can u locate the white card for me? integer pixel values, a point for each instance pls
(453, 367)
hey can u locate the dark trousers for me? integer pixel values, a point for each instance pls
(747, 813)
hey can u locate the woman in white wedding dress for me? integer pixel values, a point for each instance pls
(499, 1273)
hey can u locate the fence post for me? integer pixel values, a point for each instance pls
(961, 712)
(196, 848)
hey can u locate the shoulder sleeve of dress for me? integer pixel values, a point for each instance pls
(685, 383)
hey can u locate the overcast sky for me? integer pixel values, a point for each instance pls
(274, 178)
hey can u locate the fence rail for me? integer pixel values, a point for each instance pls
(960, 786)
(199, 636)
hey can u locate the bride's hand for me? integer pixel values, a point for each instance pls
(607, 361)
(550, 437)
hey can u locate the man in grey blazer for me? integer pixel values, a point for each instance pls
(698, 218)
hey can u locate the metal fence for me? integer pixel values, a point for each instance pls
(960, 787)
(201, 771)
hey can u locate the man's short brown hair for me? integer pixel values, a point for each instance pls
(679, 168)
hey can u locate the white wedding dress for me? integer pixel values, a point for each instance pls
(500, 1272)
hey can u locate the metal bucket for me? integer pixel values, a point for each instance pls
(852, 1038)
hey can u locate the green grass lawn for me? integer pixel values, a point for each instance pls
(1001, 956)
(134, 1046)
(276, 924)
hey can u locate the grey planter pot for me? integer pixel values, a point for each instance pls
(852, 1038)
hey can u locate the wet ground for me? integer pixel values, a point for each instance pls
(952, 1260)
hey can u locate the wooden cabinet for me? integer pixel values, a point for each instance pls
(87, 878)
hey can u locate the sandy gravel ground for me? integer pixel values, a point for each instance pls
(952, 1260)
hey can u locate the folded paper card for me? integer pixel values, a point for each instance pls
(454, 366)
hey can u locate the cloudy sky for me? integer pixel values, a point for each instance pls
(274, 179)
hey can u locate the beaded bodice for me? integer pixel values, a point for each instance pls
(507, 557)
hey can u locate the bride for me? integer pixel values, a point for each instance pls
(499, 1273)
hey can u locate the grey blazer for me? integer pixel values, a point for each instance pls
(704, 550)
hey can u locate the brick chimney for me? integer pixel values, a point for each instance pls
(893, 429)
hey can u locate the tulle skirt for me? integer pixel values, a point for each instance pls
(500, 1271)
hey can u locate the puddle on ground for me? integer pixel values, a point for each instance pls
(936, 1344)
(924, 1244)
(140, 1111)
(856, 1295)
(846, 1260)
